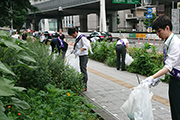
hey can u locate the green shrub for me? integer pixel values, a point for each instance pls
(99, 51)
(13, 52)
(54, 104)
(49, 70)
(145, 60)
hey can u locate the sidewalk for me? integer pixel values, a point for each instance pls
(109, 88)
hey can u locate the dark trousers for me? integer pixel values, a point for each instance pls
(63, 54)
(120, 49)
(174, 97)
(83, 60)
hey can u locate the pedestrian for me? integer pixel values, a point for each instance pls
(60, 35)
(80, 49)
(64, 47)
(55, 44)
(10, 31)
(42, 38)
(15, 35)
(122, 46)
(24, 36)
(163, 26)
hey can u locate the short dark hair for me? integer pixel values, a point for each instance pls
(72, 30)
(161, 22)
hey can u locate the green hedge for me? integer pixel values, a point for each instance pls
(147, 60)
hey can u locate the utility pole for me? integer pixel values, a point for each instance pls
(103, 27)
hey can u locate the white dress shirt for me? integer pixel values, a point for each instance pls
(173, 53)
(83, 43)
(125, 41)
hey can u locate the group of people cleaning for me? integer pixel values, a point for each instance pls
(163, 27)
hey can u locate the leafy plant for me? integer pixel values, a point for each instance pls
(15, 48)
(55, 104)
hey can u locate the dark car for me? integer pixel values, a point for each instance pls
(100, 36)
(108, 35)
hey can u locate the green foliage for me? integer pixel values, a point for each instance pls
(49, 70)
(19, 11)
(111, 56)
(146, 21)
(11, 48)
(100, 51)
(55, 104)
(145, 60)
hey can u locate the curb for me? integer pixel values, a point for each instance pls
(105, 114)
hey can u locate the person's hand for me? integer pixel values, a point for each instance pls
(72, 51)
(127, 51)
(155, 82)
(151, 81)
(148, 80)
(78, 53)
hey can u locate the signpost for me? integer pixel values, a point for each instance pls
(125, 1)
(148, 16)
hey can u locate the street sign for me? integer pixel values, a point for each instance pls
(149, 29)
(149, 10)
(132, 1)
(149, 16)
(119, 1)
(126, 1)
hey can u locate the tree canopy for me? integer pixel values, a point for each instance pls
(19, 11)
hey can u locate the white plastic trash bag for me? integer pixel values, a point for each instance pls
(138, 106)
(74, 62)
(128, 59)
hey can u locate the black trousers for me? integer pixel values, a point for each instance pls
(120, 49)
(174, 97)
(83, 60)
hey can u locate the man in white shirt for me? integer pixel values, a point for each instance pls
(81, 49)
(163, 27)
(42, 38)
(16, 35)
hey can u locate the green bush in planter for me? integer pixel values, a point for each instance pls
(13, 52)
(111, 55)
(100, 51)
(55, 104)
(146, 60)
(49, 70)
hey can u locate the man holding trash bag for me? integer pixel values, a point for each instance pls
(122, 46)
(171, 51)
(81, 49)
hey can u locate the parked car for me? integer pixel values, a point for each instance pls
(100, 36)
(108, 35)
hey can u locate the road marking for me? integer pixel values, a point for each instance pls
(129, 86)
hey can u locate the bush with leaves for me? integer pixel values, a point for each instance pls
(146, 60)
(100, 51)
(49, 70)
(16, 49)
(54, 104)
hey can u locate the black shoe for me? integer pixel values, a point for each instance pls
(117, 68)
(123, 69)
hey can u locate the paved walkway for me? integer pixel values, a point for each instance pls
(109, 88)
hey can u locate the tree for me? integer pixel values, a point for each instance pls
(118, 19)
(20, 10)
(146, 21)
